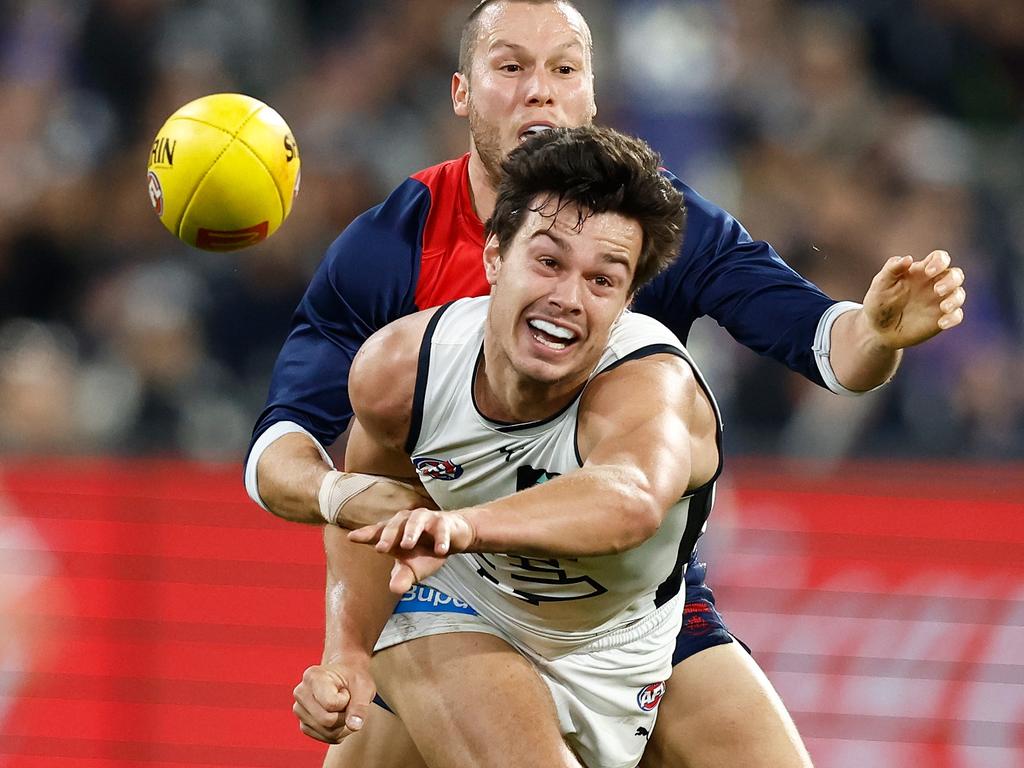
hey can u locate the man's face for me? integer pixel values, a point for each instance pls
(557, 291)
(531, 66)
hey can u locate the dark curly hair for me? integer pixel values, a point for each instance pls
(599, 170)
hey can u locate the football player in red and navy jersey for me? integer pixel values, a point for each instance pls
(525, 65)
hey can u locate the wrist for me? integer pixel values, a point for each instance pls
(877, 335)
(351, 656)
(336, 490)
(469, 539)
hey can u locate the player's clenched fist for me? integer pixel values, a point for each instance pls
(419, 540)
(332, 699)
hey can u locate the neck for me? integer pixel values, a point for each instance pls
(481, 190)
(504, 395)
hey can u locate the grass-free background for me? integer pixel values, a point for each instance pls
(150, 615)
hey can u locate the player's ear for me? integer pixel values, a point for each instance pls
(460, 94)
(492, 259)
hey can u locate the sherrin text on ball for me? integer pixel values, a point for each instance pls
(223, 172)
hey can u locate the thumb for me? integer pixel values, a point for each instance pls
(402, 578)
(362, 691)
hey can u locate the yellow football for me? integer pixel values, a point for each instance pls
(223, 172)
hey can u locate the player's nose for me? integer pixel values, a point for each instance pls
(539, 91)
(567, 294)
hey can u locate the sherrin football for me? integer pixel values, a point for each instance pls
(223, 172)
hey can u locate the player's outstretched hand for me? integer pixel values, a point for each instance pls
(911, 301)
(332, 700)
(419, 540)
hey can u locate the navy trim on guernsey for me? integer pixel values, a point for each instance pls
(371, 275)
(510, 426)
(700, 508)
(380, 268)
(636, 354)
(420, 392)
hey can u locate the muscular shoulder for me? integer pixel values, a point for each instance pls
(383, 377)
(659, 396)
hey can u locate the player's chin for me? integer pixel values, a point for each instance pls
(550, 366)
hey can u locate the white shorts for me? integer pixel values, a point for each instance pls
(606, 694)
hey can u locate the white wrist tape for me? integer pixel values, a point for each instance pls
(337, 488)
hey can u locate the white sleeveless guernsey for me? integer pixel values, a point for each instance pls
(553, 606)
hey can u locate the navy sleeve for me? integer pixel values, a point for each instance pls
(742, 284)
(366, 280)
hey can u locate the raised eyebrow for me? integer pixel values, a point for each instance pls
(516, 48)
(562, 245)
(616, 258)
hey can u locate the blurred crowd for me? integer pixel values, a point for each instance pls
(843, 132)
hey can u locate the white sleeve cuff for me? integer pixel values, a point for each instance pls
(823, 347)
(276, 430)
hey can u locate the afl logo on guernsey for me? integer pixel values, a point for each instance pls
(437, 469)
(650, 695)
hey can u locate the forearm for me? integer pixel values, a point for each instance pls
(860, 360)
(291, 476)
(596, 511)
(358, 602)
(288, 477)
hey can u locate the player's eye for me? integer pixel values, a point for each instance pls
(548, 262)
(511, 68)
(603, 281)
(565, 69)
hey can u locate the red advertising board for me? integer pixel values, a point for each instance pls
(150, 615)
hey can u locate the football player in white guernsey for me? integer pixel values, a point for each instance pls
(548, 422)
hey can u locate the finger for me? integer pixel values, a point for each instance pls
(329, 694)
(367, 534)
(314, 734)
(414, 527)
(951, 303)
(391, 532)
(946, 282)
(363, 692)
(442, 538)
(954, 318)
(892, 270)
(303, 692)
(402, 578)
(308, 724)
(333, 736)
(935, 262)
(897, 265)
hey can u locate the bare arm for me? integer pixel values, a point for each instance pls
(291, 472)
(647, 435)
(333, 696)
(908, 303)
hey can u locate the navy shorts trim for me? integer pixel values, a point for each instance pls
(703, 626)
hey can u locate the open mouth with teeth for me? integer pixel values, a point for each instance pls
(533, 130)
(550, 335)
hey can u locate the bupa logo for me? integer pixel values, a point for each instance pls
(437, 469)
(650, 696)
